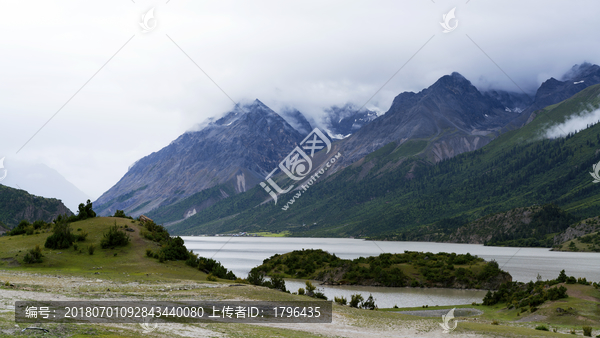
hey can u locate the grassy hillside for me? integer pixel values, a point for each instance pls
(563, 316)
(115, 263)
(198, 201)
(17, 205)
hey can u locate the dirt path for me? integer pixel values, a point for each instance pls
(59, 288)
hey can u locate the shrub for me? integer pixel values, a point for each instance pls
(310, 288)
(301, 291)
(256, 277)
(210, 277)
(174, 249)
(582, 281)
(85, 211)
(356, 300)
(209, 265)
(278, 283)
(19, 229)
(81, 237)
(541, 328)
(369, 304)
(62, 236)
(75, 247)
(319, 295)
(39, 224)
(495, 322)
(114, 237)
(149, 253)
(121, 214)
(340, 300)
(587, 331)
(91, 249)
(33, 256)
(562, 277)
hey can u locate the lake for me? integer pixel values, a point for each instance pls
(240, 254)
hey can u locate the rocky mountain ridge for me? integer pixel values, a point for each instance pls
(237, 150)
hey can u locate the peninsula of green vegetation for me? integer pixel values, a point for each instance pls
(415, 269)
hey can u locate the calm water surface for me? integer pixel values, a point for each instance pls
(240, 254)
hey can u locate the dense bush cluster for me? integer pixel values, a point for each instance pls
(34, 255)
(533, 294)
(114, 237)
(173, 249)
(24, 227)
(442, 269)
(121, 214)
(300, 263)
(257, 277)
(154, 232)
(62, 236)
(209, 266)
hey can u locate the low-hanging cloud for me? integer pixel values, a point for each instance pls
(574, 124)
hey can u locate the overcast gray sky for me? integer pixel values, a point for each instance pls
(305, 54)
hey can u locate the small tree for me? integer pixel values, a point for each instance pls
(34, 255)
(120, 213)
(369, 304)
(278, 283)
(587, 331)
(62, 236)
(114, 237)
(256, 277)
(356, 300)
(340, 300)
(85, 211)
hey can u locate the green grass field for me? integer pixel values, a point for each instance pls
(121, 263)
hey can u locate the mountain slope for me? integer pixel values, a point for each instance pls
(17, 205)
(553, 91)
(515, 102)
(41, 180)
(341, 122)
(386, 193)
(238, 150)
(297, 120)
(452, 116)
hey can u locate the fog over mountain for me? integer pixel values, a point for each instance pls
(40, 180)
(87, 93)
